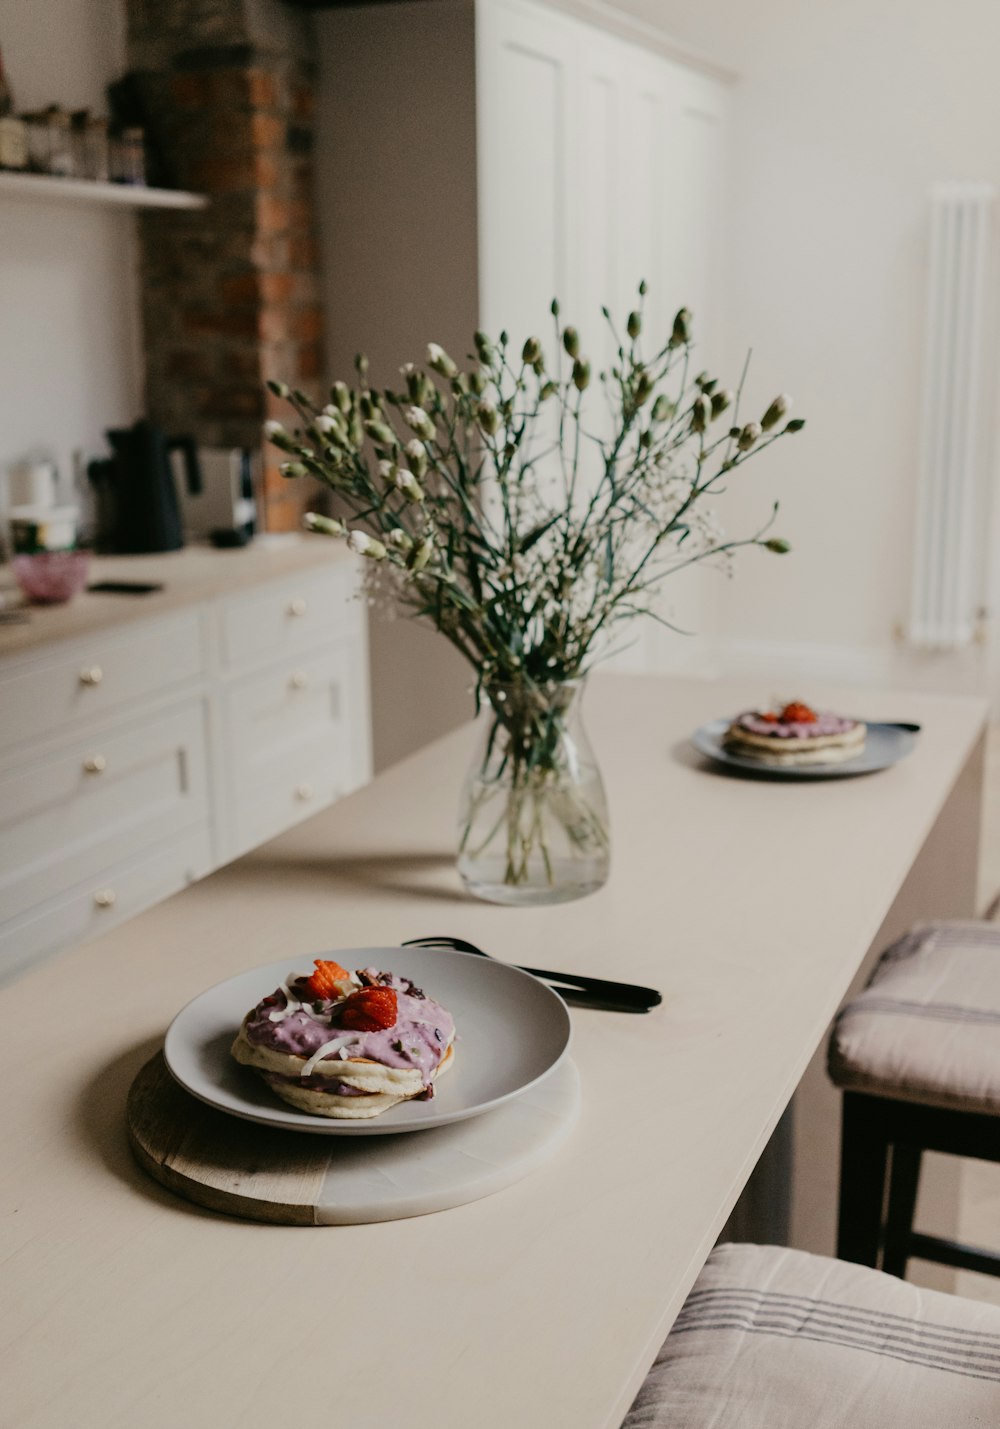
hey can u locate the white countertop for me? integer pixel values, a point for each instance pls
(196, 573)
(749, 904)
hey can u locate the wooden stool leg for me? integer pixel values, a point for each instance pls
(863, 1157)
(903, 1182)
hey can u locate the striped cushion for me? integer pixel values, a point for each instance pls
(927, 1027)
(777, 1339)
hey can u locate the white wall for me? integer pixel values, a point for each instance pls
(844, 116)
(70, 362)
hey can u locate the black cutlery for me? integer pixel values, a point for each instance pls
(576, 989)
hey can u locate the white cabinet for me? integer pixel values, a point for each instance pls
(137, 759)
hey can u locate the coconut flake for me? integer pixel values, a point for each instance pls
(292, 1004)
(327, 1049)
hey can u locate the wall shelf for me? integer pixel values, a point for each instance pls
(45, 186)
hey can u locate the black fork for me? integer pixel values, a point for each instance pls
(576, 989)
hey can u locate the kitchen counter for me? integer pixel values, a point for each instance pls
(750, 904)
(189, 576)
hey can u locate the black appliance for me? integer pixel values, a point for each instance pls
(137, 506)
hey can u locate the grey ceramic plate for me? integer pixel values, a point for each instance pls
(512, 1031)
(885, 744)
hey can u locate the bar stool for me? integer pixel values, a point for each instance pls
(917, 1055)
(778, 1339)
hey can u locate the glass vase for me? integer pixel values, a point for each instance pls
(533, 821)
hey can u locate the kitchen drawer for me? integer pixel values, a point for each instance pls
(287, 616)
(98, 676)
(98, 802)
(308, 776)
(104, 901)
(289, 743)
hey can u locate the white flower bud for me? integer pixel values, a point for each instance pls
(325, 524)
(324, 424)
(778, 409)
(489, 417)
(399, 539)
(408, 484)
(750, 434)
(272, 427)
(387, 470)
(439, 361)
(418, 421)
(421, 555)
(417, 453)
(364, 545)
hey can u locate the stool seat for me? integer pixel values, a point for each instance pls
(778, 1339)
(926, 1029)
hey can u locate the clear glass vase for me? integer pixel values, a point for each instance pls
(533, 821)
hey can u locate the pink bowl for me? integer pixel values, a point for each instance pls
(52, 577)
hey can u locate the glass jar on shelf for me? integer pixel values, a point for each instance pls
(61, 156)
(128, 156)
(90, 141)
(13, 143)
(37, 125)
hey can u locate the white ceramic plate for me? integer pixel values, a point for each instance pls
(512, 1031)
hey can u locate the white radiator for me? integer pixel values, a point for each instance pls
(948, 574)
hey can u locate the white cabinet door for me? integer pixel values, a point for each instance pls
(602, 164)
(526, 84)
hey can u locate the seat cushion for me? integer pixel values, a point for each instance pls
(927, 1027)
(778, 1339)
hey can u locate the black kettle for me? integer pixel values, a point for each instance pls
(137, 507)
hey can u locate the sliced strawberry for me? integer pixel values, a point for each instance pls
(373, 1009)
(328, 981)
(769, 717)
(798, 713)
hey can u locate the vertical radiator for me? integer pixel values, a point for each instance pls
(952, 490)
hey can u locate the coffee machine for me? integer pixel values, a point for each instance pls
(222, 507)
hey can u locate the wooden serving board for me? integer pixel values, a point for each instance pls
(260, 1173)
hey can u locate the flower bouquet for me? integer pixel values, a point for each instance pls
(528, 521)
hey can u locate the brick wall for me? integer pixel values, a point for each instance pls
(230, 293)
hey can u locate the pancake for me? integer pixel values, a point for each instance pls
(795, 736)
(347, 1048)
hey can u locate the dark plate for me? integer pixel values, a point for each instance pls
(885, 744)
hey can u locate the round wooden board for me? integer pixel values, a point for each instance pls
(263, 1174)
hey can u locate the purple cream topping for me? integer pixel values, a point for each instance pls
(823, 724)
(418, 1038)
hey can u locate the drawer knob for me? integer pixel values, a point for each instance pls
(297, 606)
(92, 675)
(95, 764)
(299, 680)
(304, 792)
(105, 898)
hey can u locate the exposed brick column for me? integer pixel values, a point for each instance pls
(230, 293)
